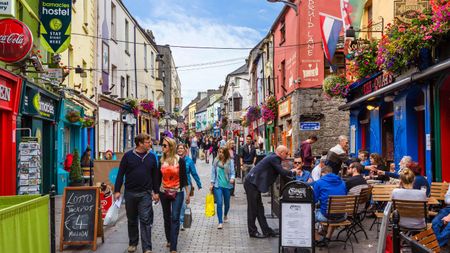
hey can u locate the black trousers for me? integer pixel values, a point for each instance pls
(255, 210)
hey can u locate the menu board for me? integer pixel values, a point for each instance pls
(81, 218)
(296, 225)
(29, 171)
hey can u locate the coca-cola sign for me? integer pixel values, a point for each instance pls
(16, 40)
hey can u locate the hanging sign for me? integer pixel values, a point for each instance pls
(36, 103)
(56, 18)
(16, 40)
(7, 7)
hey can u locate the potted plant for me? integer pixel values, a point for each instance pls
(336, 86)
(73, 116)
(76, 178)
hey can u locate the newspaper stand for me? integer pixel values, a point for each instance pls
(296, 218)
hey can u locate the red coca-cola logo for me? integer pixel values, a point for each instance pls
(16, 40)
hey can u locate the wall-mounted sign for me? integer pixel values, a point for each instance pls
(56, 18)
(16, 40)
(36, 103)
(405, 10)
(373, 84)
(284, 108)
(5, 93)
(7, 7)
(309, 126)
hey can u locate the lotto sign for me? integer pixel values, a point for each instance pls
(56, 18)
(16, 40)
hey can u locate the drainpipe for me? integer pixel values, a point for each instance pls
(135, 65)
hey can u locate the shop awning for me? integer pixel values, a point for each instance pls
(435, 69)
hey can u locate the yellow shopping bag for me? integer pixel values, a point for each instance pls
(210, 209)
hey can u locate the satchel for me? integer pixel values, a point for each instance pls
(191, 193)
(170, 194)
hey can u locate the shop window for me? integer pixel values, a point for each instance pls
(66, 140)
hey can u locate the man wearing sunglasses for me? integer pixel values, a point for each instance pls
(303, 175)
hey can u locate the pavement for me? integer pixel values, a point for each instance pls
(203, 236)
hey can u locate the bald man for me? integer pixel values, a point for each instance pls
(258, 181)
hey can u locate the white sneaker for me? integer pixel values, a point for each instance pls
(220, 226)
(182, 227)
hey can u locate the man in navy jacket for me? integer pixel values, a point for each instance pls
(258, 180)
(143, 179)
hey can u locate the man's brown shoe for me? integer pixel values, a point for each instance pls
(131, 248)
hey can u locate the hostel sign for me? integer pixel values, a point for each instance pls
(56, 18)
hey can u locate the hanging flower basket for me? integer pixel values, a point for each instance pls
(147, 105)
(88, 122)
(267, 114)
(73, 116)
(336, 86)
(363, 60)
(253, 113)
(133, 104)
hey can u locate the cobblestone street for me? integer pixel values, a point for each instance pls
(204, 236)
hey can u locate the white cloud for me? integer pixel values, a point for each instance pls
(174, 25)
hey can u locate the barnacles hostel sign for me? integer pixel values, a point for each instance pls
(56, 18)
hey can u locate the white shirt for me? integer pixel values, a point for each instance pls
(338, 149)
(410, 194)
(316, 172)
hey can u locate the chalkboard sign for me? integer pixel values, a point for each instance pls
(81, 219)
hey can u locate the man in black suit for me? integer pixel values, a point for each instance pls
(247, 155)
(258, 181)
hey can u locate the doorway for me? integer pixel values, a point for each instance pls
(387, 132)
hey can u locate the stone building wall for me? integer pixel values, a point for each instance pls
(311, 105)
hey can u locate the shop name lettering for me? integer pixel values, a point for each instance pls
(56, 12)
(377, 83)
(5, 93)
(46, 107)
(13, 38)
(311, 15)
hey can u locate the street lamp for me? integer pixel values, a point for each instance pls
(286, 2)
(167, 118)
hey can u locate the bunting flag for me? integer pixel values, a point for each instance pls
(345, 12)
(330, 28)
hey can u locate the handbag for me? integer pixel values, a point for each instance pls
(209, 205)
(187, 217)
(170, 194)
(191, 193)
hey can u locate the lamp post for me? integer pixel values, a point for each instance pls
(167, 118)
(286, 2)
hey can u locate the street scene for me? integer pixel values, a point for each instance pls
(224, 126)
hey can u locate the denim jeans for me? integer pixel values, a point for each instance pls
(139, 205)
(183, 207)
(222, 196)
(441, 230)
(194, 153)
(171, 213)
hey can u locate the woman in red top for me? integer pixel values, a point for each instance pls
(174, 179)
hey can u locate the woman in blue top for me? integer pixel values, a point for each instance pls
(222, 179)
(182, 150)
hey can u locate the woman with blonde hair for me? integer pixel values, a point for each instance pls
(222, 179)
(406, 192)
(174, 180)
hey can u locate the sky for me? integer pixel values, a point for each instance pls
(216, 23)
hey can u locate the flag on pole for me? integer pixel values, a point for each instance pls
(330, 29)
(345, 12)
(351, 11)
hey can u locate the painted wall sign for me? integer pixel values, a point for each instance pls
(309, 126)
(16, 40)
(284, 108)
(5, 93)
(405, 10)
(56, 18)
(7, 8)
(377, 83)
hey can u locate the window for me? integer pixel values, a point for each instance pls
(282, 32)
(122, 87)
(153, 96)
(237, 104)
(114, 75)
(128, 86)
(113, 21)
(127, 37)
(84, 79)
(71, 63)
(146, 92)
(369, 19)
(338, 61)
(145, 57)
(152, 63)
(283, 77)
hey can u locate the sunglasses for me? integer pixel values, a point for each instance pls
(165, 145)
(297, 162)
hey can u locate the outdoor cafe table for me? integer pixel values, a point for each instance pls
(430, 200)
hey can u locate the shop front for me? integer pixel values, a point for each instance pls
(110, 131)
(284, 131)
(69, 131)
(39, 110)
(392, 119)
(10, 89)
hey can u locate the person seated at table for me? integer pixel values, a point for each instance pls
(317, 171)
(406, 192)
(303, 175)
(420, 181)
(378, 163)
(440, 223)
(329, 184)
(356, 178)
(363, 157)
(108, 155)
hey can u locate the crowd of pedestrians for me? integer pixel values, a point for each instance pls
(168, 180)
